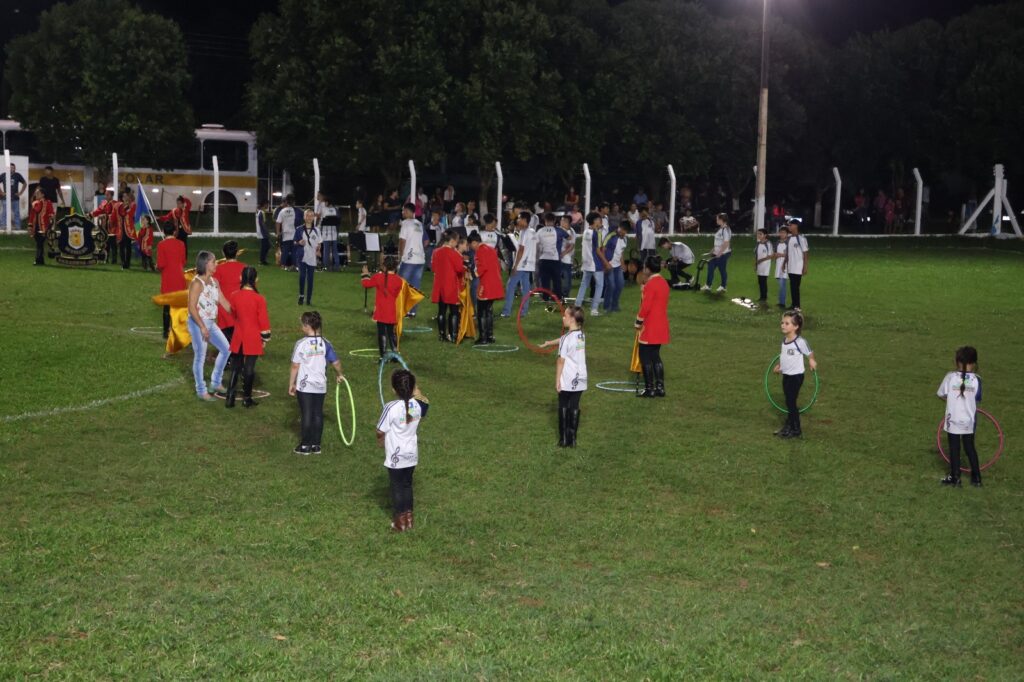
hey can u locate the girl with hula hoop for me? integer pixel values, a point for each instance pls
(308, 381)
(791, 367)
(962, 392)
(396, 433)
(388, 285)
(570, 375)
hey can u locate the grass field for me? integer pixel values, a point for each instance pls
(157, 537)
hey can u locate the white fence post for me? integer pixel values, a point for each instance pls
(501, 191)
(316, 181)
(586, 190)
(920, 198)
(216, 195)
(115, 183)
(839, 196)
(672, 200)
(412, 183)
(7, 187)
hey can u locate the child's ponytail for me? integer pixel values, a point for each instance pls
(404, 383)
(965, 355)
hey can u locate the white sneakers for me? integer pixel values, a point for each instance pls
(720, 290)
(705, 288)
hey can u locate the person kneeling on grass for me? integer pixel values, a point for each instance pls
(397, 434)
(308, 381)
(680, 258)
(791, 367)
(570, 375)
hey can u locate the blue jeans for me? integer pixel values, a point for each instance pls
(199, 345)
(413, 274)
(566, 273)
(613, 289)
(330, 254)
(719, 264)
(15, 212)
(520, 278)
(306, 281)
(782, 290)
(581, 295)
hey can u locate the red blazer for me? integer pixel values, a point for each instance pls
(447, 266)
(489, 272)
(128, 219)
(170, 261)
(40, 216)
(145, 240)
(180, 216)
(113, 210)
(385, 302)
(250, 319)
(654, 311)
(229, 276)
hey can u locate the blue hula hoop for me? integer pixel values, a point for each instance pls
(380, 372)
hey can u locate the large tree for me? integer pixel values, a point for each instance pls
(84, 99)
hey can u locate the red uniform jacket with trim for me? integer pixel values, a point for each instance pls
(251, 318)
(489, 271)
(170, 261)
(654, 311)
(448, 268)
(229, 276)
(386, 299)
(40, 216)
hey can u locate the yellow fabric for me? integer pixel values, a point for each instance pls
(467, 325)
(179, 337)
(406, 300)
(634, 363)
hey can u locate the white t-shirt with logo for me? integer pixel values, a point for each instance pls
(568, 243)
(620, 248)
(528, 242)
(547, 243)
(647, 234)
(312, 354)
(399, 426)
(796, 246)
(489, 237)
(961, 412)
(572, 349)
(780, 249)
(412, 233)
(791, 357)
(311, 238)
(330, 231)
(682, 253)
(723, 235)
(286, 218)
(763, 250)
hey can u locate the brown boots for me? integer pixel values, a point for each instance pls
(401, 522)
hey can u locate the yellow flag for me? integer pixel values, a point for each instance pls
(179, 337)
(467, 323)
(407, 299)
(634, 363)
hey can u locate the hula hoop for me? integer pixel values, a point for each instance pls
(256, 393)
(364, 352)
(416, 330)
(337, 411)
(147, 330)
(496, 348)
(380, 372)
(780, 408)
(519, 320)
(609, 386)
(986, 465)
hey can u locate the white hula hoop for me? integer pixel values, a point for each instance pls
(609, 386)
(496, 348)
(147, 330)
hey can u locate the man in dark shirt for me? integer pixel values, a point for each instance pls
(51, 186)
(17, 187)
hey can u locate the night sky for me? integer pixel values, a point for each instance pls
(216, 34)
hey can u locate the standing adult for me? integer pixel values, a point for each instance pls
(645, 235)
(40, 221)
(308, 239)
(229, 277)
(328, 217)
(110, 213)
(568, 250)
(796, 261)
(285, 225)
(652, 323)
(204, 297)
(263, 230)
(127, 239)
(523, 266)
(549, 243)
(181, 217)
(170, 261)
(50, 185)
(411, 252)
(595, 264)
(17, 187)
(720, 253)
(449, 198)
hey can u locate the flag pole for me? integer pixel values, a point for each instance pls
(150, 207)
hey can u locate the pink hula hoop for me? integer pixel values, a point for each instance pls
(519, 320)
(986, 465)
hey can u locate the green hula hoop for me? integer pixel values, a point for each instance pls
(337, 411)
(380, 372)
(363, 352)
(781, 408)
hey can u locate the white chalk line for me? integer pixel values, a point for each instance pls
(91, 404)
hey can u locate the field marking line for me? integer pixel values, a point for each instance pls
(91, 404)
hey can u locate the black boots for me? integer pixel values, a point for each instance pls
(484, 328)
(232, 388)
(247, 381)
(490, 325)
(648, 391)
(442, 323)
(563, 419)
(454, 322)
(572, 425)
(659, 380)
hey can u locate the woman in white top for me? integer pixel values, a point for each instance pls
(204, 295)
(570, 375)
(396, 433)
(720, 254)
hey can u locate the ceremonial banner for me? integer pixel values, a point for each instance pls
(75, 240)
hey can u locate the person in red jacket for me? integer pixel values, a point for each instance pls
(388, 285)
(448, 268)
(144, 238)
(180, 217)
(252, 331)
(40, 220)
(126, 216)
(652, 322)
(110, 219)
(490, 289)
(229, 276)
(170, 261)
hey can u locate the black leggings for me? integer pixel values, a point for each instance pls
(401, 488)
(167, 320)
(40, 238)
(311, 409)
(124, 248)
(762, 286)
(954, 454)
(791, 384)
(246, 365)
(650, 354)
(569, 400)
(794, 289)
(386, 339)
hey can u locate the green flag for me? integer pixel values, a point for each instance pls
(76, 205)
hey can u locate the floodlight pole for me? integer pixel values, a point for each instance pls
(501, 190)
(586, 189)
(839, 194)
(412, 183)
(672, 200)
(316, 181)
(7, 187)
(216, 195)
(762, 127)
(920, 197)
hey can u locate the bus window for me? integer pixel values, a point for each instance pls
(231, 155)
(22, 143)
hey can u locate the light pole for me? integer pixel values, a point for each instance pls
(762, 126)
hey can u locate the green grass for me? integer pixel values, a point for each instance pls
(162, 538)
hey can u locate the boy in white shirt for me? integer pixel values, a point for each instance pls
(285, 221)
(595, 264)
(795, 263)
(645, 236)
(614, 248)
(410, 250)
(568, 250)
(549, 255)
(523, 266)
(780, 264)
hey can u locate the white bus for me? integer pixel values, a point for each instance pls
(235, 151)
